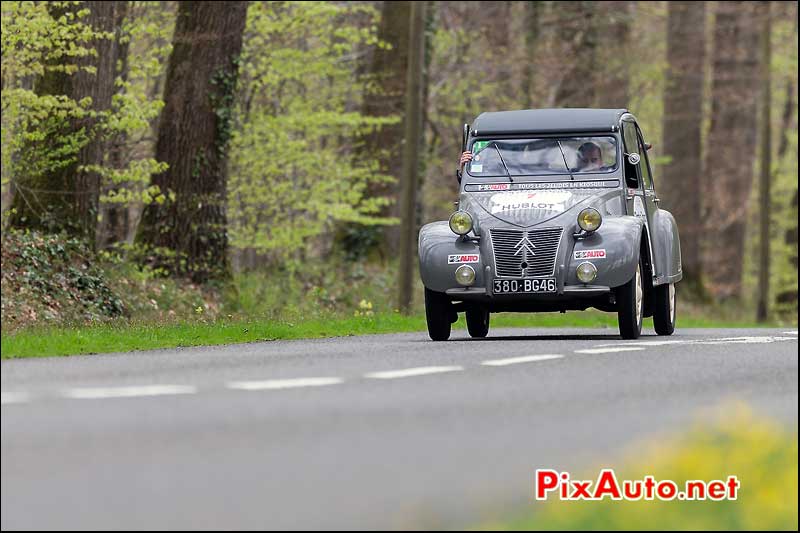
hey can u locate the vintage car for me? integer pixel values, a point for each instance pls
(557, 211)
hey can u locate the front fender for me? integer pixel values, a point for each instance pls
(619, 238)
(441, 252)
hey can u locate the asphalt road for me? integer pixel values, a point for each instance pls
(389, 431)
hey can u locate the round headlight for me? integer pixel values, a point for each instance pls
(465, 275)
(460, 222)
(586, 272)
(589, 219)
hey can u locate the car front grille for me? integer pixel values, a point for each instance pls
(536, 250)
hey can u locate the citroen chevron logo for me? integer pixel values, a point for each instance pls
(524, 245)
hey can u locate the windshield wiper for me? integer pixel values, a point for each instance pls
(561, 149)
(508, 173)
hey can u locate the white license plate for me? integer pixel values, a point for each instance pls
(513, 286)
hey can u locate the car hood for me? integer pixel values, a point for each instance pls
(529, 208)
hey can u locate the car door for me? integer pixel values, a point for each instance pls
(640, 194)
(646, 173)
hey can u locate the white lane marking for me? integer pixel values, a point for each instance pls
(276, 384)
(646, 343)
(127, 392)
(723, 340)
(524, 359)
(7, 398)
(745, 340)
(790, 333)
(611, 350)
(411, 372)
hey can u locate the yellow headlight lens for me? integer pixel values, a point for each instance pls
(460, 222)
(589, 219)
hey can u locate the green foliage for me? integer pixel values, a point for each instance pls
(38, 39)
(146, 32)
(43, 36)
(153, 298)
(223, 103)
(38, 133)
(292, 172)
(55, 279)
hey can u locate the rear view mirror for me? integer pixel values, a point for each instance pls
(648, 146)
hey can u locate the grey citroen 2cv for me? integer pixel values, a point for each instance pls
(557, 211)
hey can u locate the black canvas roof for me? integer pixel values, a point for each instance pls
(547, 121)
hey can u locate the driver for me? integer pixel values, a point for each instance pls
(590, 157)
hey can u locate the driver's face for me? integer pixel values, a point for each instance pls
(592, 160)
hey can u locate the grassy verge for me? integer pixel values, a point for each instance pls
(762, 454)
(40, 341)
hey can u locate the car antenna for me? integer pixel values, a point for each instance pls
(561, 149)
(508, 172)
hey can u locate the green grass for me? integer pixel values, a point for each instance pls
(40, 341)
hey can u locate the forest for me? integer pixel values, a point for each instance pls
(174, 161)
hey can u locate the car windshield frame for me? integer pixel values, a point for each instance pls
(556, 141)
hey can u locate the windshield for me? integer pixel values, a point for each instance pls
(536, 157)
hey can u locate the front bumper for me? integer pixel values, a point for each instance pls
(577, 291)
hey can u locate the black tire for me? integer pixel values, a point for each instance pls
(437, 313)
(665, 309)
(629, 314)
(478, 322)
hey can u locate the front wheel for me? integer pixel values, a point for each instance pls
(437, 313)
(630, 304)
(478, 322)
(664, 316)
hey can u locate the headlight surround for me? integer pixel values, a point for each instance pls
(589, 219)
(586, 272)
(460, 222)
(465, 275)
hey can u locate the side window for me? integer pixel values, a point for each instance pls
(631, 145)
(644, 163)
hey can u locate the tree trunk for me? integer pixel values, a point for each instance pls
(387, 75)
(613, 50)
(762, 311)
(732, 141)
(577, 29)
(413, 124)
(532, 15)
(682, 122)
(115, 224)
(187, 233)
(67, 198)
(787, 296)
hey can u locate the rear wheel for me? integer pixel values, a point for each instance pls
(665, 309)
(438, 311)
(630, 306)
(478, 322)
